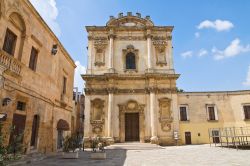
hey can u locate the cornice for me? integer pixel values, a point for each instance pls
(114, 90)
(48, 29)
(133, 76)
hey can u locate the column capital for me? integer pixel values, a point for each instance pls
(149, 34)
(111, 36)
(151, 89)
(111, 90)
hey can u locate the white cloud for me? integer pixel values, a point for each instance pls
(49, 12)
(219, 25)
(197, 35)
(79, 70)
(187, 54)
(202, 52)
(234, 49)
(247, 82)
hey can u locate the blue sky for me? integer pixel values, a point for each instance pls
(211, 38)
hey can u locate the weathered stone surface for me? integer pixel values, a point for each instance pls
(40, 89)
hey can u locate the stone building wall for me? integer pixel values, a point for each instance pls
(229, 106)
(40, 90)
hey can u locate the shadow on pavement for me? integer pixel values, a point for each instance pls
(115, 157)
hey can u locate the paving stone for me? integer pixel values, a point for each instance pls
(136, 154)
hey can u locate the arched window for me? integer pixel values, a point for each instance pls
(130, 61)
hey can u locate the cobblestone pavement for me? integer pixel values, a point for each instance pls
(136, 154)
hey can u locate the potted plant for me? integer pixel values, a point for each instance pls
(70, 145)
(97, 145)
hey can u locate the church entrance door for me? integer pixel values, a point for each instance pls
(132, 127)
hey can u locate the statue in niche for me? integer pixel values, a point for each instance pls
(165, 110)
(99, 57)
(165, 114)
(161, 56)
(97, 110)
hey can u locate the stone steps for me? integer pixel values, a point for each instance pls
(134, 146)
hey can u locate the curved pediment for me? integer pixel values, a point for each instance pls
(130, 21)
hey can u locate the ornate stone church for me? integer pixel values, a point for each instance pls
(131, 92)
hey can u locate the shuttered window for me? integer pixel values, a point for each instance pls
(9, 42)
(183, 113)
(64, 85)
(211, 113)
(247, 111)
(33, 59)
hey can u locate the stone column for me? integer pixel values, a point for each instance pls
(149, 46)
(110, 108)
(154, 138)
(111, 52)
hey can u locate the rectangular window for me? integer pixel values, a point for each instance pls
(64, 85)
(33, 59)
(183, 114)
(9, 42)
(211, 113)
(21, 106)
(247, 111)
(216, 136)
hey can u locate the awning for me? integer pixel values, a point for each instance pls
(3, 117)
(62, 125)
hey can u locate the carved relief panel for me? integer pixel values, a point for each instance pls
(97, 115)
(100, 44)
(160, 44)
(165, 114)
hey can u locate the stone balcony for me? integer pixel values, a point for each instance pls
(10, 63)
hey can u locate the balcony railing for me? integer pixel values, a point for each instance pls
(10, 62)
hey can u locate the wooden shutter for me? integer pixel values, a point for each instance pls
(64, 85)
(183, 113)
(211, 113)
(33, 59)
(9, 42)
(247, 112)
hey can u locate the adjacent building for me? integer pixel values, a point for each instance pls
(36, 78)
(131, 93)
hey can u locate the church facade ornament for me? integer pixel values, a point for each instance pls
(165, 114)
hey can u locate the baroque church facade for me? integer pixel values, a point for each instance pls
(131, 92)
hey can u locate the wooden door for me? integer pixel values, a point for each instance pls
(18, 123)
(188, 138)
(35, 127)
(132, 127)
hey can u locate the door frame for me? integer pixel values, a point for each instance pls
(138, 130)
(190, 135)
(37, 125)
(131, 106)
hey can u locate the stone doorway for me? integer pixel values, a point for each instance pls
(131, 111)
(35, 128)
(19, 123)
(188, 138)
(132, 127)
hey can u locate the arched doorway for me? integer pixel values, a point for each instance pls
(131, 121)
(35, 128)
(62, 125)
